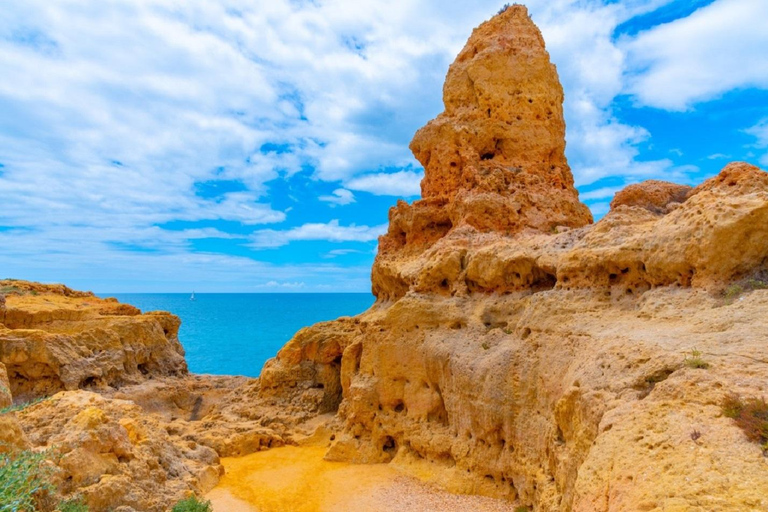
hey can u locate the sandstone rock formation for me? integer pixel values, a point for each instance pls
(495, 159)
(53, 338)
(515, 348)
(523, 351)
(655, 196)
(121, 419)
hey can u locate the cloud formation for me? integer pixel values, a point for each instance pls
(160, 131)
(718, 48)
(331, 232)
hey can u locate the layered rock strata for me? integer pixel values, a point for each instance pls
(53, 338)
(527, 353)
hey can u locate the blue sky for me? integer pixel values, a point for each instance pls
(254, 146)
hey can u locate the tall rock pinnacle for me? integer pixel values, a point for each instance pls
(494, 160)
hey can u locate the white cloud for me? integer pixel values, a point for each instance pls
(600, 193)
(341, 252)
(331, 232)
(718, 156)
(276, 284)
(401, 183)
(340, 196)
(760, 132)
(110, 113)
(591, 66)
(716, 49)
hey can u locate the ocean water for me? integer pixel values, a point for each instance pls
(235, 333)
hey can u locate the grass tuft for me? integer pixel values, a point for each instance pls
(750, 415)
(73, 505)
(192, 504)
(20, 407)
(695, 361)
(749, 284)
(24, 478)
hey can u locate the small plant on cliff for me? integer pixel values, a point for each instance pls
(503, 9)
(750, 415)
(73, 505)
(732, 293)
(20, 406)
(24, 478)
(695, 361)
(192, 504)
(758, 281)
(522, 509)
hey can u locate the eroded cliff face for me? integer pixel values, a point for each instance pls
(523, 351)
(516, 349)
(53, 338)
(122, 422)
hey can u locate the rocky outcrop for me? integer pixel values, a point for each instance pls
(111, 453)
(114, 408)
(53, 338)
(655, 196)
(5, 388)
(515, 349)
(529, 354)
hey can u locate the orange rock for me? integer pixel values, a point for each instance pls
(53, 338)
(655, 196)
(523, 352)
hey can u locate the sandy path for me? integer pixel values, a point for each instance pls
(297, 479)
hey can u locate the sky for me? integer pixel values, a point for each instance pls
(256, 146)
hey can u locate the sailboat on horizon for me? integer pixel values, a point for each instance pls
(192, 297)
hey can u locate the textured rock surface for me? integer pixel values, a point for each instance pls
(53, 338)
(494, 160)
(113, 454)
(655, 196)
(528, 354)
(6, 398)
(515, 348)
(153, 433)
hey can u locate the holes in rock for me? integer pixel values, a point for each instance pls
(399, 407)
(453, 164)
(143, 369)
(389, 446)
(559, 439)
(456, 325)
(444, 284)
(88, 382)
(487, 156)
(526, 332)
(651, 380)
(530, 100)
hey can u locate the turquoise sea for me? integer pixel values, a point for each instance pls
(235, 333)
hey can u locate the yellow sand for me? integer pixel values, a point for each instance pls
(295, 479)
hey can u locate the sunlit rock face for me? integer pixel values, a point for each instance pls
(515, 349)
(520, 350)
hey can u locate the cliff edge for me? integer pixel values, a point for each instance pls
(523, 352)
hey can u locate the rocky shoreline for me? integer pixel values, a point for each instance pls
(517, 348)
